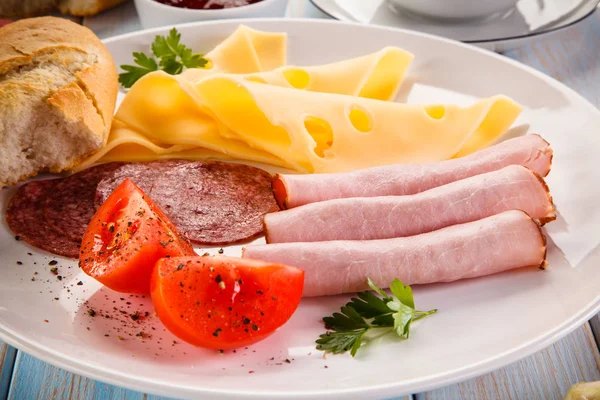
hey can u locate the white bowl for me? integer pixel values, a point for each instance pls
(153, 13)
(454, 9)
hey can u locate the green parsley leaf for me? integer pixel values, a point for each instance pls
(402, 319)
(173, 57)
(341, 342)
(348, 320)
(347, 329)
(402, 293)
(368, 305)
(376, 288)
(133, 73)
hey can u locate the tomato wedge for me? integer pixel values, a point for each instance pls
(224, 302)
(126, 237)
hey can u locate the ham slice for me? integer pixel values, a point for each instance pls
(530, 151)
(494, 244)
(364, 218)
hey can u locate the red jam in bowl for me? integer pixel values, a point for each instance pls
(207, 4)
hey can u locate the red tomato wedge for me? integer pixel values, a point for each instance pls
(224, 302)
(126, 237)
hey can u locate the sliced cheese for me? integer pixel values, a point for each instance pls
(128, 145)
(319, 132)
(245, 51)
(296, 129)
(166, 114)
(376, 76)
(247, 105)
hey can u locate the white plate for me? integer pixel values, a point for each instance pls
(482, 324)
(530, 20)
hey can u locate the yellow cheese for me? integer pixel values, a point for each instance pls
(150, 105)
(249, 106)
(165, 114)
(305, 131)
(245, 51)
(376, 76)
(319, 132)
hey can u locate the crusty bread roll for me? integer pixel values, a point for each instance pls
(30, 8)
(24, 8)
(86, 8)
(58, 88)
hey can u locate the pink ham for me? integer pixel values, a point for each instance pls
(363, 218)
(530, 151)
(498, 243)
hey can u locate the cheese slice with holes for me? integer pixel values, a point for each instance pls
(376, 76)
(148, 108)
(322, 132)
(296, 129)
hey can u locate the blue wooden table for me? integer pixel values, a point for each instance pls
(572, 57)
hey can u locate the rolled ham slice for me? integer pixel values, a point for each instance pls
(498, 243)
(364, 218)
(530, 151)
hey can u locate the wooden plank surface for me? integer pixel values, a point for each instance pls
(7, 360)
(34, 379)
(547, 374)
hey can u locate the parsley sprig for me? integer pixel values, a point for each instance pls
(347, 329)
(172, 57)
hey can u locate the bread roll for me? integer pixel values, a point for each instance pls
(24, 8)
(58, 88)
(86, 8)
(30, 8)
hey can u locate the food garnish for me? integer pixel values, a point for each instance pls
(172, 57)
(346, 330)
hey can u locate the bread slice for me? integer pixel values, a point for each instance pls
(58, 88)
(24, 8)
(86, 8)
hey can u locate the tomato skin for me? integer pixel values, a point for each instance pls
(222, 302)
(126, 237)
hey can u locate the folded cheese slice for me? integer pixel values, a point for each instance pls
(377, 75)
(246, 51)
(158, 107)
(164, 119)
(261, 56)
(300, 130)
(128, 145)
(322, 132)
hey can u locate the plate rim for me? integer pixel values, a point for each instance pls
(557, 28)
(147, 385)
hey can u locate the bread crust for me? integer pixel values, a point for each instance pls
(90, 98)
(73, 8)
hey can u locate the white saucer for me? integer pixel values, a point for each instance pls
(529, 20)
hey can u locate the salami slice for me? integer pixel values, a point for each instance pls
(215, 202)
(70, 206)
(25, 217)
(142, 174)
(209, 202)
